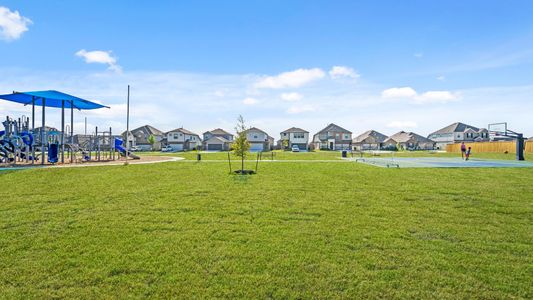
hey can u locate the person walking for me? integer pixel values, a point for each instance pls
(463, 150)
(467, 153)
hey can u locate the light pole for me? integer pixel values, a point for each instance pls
(128, 123)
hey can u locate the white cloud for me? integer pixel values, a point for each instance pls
(425, 98)
(342, 71)
(402, 124)
(219, 93)
(291, 97)
(441, 78)
(292, 79)
(100, 57)
(401, 92)
(298, 109)
(12, 24)
(167, 100)
(250, 101)
(437, 97)
(418, 55)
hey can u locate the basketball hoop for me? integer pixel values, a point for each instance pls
(500, 129)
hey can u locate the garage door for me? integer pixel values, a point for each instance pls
(177, 147)
(301, 146)
(214, 147)
(256, 147)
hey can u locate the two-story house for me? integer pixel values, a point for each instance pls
(139, 137)
(333, 137)
(458, 132)
(369, 140)
(181, 139)
(408, 141)
(259, 140)
(217, 140)
(294, 137)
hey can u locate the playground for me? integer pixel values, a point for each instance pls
(24, 145)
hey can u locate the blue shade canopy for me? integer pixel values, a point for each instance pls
(52, 99)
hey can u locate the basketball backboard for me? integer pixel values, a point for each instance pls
(498, 128)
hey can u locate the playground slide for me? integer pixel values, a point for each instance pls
(122, 150)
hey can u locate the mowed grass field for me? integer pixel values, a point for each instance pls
(332, 155)
(295, 230)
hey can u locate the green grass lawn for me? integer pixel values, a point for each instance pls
(295, 230)
(330, 155)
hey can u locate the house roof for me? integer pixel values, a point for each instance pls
(218, 131)
(403, 137)
(379, 137)
(147, 129)
(256, 129)
(294, 129)
(46, 128)
(184, 131)
(333, 127)
(217, 139)
(455, 127)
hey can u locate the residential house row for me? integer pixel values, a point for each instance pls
(332, 137)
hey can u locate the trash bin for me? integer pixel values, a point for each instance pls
(344, 153)
(198, 157)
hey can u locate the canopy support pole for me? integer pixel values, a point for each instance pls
(32, 128)
(62, 131)
(71, 128)
(42, 132)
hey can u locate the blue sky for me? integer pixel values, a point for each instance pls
(412, 65)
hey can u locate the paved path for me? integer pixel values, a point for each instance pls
(119, 163)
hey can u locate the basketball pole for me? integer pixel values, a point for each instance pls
(520, 147)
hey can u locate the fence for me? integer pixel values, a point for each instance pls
(496, 147)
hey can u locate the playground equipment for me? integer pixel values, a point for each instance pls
(16, 141)
(500, 129)
(19, 145)
(53, 146)
(47, 99)
(120, 149)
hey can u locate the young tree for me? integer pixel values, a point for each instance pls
(241, 146)
(285, 144)
(151, 141)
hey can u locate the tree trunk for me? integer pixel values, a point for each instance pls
(242, 165)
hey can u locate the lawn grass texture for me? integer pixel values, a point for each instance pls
(295, 230)
(330, 155)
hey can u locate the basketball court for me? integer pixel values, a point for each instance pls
(440, 162)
